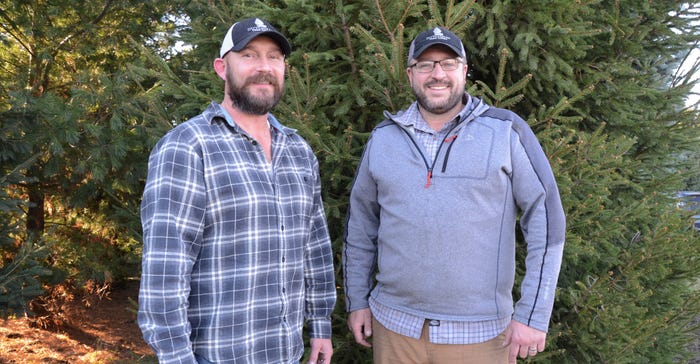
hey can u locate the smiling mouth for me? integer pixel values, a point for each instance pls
(437, 86)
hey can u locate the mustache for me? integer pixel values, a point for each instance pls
(438, 83)
(262, 78)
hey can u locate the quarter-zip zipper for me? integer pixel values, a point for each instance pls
(449, 139)
(431, 166)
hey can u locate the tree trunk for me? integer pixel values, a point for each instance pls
(35, 213)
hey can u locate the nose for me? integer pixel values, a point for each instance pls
(264, 64)
(438, 71)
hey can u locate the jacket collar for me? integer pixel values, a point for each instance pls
(407, 118)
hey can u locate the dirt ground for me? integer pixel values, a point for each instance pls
(105, 332)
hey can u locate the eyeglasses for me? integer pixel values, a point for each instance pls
(449, 64)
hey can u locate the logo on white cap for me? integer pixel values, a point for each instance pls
(242, 32)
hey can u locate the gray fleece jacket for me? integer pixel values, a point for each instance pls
(436, 238)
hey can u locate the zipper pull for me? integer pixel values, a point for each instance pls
(449, 139)
(430, 176)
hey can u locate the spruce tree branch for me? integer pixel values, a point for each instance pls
(682, 75)
(434, 9)
(14, 31)
(43, 85)
(26, 164)
(384, 23)
(404, 16)
(449, 13)
(348, 43)
(81, 29)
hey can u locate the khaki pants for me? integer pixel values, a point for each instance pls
(392, 348)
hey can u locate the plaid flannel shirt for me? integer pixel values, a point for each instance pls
(236, 256)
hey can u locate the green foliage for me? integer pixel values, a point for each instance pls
(71, 148)
(624, 276)
(598, 82)
(90, 250)
(19, 277)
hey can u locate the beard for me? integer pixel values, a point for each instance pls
(437, 106)
(244, 101)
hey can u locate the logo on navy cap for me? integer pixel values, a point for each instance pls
(260, 26)
(437, 34)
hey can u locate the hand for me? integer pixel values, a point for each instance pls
(321, 351)
(360, 324)
(523, 340)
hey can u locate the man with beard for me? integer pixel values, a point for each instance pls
(237, 256)
(430, 247)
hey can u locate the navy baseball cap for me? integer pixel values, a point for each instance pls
(435, 36)
(242, 32)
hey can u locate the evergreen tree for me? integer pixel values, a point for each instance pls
(71, 152)
(596, 80)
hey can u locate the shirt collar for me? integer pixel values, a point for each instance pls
(272, 122)
(413, 118)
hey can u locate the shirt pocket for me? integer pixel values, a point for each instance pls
(296, 191)
(469, 157)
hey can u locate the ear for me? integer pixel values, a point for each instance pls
(409, 73)
(220, 68)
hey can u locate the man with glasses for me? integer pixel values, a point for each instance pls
(430, 247)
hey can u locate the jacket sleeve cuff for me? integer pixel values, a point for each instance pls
(535, 324)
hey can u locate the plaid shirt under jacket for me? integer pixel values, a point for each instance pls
(236, 254)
